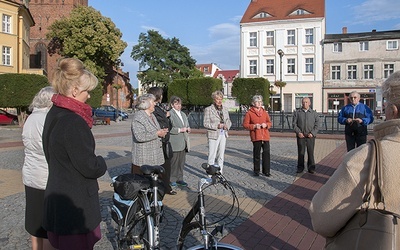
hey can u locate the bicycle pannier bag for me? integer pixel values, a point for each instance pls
(128, 185)
(369, 228)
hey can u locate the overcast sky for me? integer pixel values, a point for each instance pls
(210, 29)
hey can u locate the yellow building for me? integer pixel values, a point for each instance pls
(16, 21)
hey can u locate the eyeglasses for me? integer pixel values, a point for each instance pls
(353, 97)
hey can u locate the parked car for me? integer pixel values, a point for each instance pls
(107, 111)
(7, 118)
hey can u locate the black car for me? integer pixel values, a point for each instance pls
(108, 111)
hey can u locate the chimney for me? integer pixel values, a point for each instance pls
(344, 30)
(374, 30)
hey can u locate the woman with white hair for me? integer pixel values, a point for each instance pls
(35, 168)
(257, 121)
(339, 199)
(146, 135)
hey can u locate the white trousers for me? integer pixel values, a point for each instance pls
(216, 151)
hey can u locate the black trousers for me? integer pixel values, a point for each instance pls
(266, 156)
(353, 141)
(302, 145)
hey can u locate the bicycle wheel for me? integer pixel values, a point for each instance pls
(140, 230)
(220, 246)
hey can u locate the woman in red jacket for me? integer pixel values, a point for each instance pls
(258, 122)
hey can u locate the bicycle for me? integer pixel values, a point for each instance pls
(209, 240)
(137, 209)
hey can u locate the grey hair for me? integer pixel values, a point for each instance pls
(354, 92)
(216, 94)
(144, 101)
(175, 99)
(43, 98)
(391, 89)
(257, 98)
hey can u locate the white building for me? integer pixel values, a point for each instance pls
(296, 28)
(361, 62)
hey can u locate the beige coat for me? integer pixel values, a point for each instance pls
(335, 203)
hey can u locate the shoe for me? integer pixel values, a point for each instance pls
(256, 174)
(173, 184)
(311, 171)
(268, 174)
(182, 183)
(299, 170)
(172, 192)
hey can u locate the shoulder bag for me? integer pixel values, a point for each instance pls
(369, 228)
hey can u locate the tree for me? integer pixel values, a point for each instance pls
(162, 60)
(245, 88)
(89, 36)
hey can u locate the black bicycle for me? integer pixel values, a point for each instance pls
(209, 240)
(137, 208)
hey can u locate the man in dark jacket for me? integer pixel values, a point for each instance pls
(305, 124)
(355, 116)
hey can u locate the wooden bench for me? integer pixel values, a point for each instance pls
(101, 121)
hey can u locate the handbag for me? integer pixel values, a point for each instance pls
(369, 228)
(167, 150)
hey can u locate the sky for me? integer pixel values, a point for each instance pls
(211, 29)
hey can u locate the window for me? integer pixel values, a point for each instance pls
(364, 46)
(253, 67)
(270, 38)
(309, 36)
(262, 15)
(270, 66)
(291, 66)
(299, 12)
(6, 24)
(253, 39)
(335, 73)
(368, 71)
(352, 72)
(291, 37)
(206, 69)
(337, 47)
(388, 69)
(6, 56)
(309, 65)
(391, 45)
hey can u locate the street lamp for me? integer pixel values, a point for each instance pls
(281, 54)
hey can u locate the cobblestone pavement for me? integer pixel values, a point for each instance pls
(113, 142)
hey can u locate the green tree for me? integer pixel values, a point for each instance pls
(89, 36)
(245, 88)
(162, 60)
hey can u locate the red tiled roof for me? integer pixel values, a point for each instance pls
(280, 9)
(229, 75)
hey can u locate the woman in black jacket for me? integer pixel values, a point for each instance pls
(71, 205)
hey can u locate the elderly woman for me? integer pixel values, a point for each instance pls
(179, 141)
(35, 169)
(257, 121)
(217, 123)
(338, 200)
(71, 203)
(146, 135)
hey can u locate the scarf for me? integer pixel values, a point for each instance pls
(220, 113)
(79, 108)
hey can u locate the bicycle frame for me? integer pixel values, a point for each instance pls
(209, 242)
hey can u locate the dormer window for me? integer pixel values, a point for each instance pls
(299, 12)
(262, 15)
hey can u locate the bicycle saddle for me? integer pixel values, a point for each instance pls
(148, 169)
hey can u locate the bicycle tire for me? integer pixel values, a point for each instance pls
(220, 246)
(143, 223)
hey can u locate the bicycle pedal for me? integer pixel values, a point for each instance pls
(138, 246)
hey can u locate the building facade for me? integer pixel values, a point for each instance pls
(45, 12)
(16, 20)
(281, 41)
(361, 62)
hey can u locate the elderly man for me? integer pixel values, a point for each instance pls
(355, 116)
(305, 124)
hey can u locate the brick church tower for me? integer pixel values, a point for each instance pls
(45, 12)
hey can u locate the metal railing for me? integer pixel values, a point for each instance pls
(281, 121)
